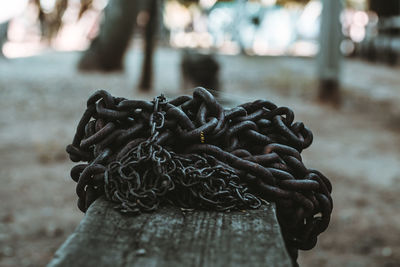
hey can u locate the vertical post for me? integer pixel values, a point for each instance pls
(3, 36)
(329, 54)
(149, 44)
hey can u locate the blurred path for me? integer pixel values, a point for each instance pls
(43, 97)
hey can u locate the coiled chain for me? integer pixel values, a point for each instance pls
(193, 153)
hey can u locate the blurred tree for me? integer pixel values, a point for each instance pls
(107, 50)
(51, 22)
(85, 5)
(385, 8)
(3, 36)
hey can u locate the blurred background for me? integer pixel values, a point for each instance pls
(335, 63)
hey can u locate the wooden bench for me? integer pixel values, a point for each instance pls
(174, 237)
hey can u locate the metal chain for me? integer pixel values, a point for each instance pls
(193, 153)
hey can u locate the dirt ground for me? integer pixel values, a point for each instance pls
(357, 147)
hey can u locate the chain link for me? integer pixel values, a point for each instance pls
(193, 153)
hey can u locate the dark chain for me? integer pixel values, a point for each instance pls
(193, 153)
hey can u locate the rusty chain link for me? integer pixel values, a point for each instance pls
(195, 154)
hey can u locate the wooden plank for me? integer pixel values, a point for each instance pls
(172, 237)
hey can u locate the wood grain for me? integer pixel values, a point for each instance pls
(172, 237)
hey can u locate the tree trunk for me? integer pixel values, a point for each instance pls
(149, 44)
(3, 36)
(107, 50)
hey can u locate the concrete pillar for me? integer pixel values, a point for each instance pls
(329, 56)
